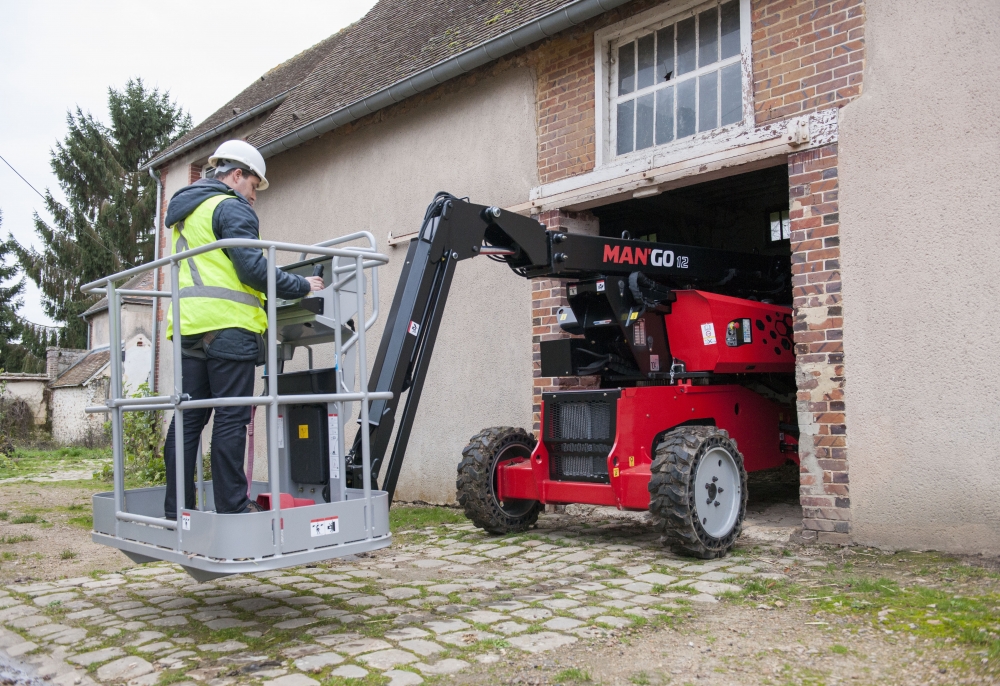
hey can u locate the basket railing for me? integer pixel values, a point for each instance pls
(358, 260)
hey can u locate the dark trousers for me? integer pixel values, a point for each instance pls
(213, 378)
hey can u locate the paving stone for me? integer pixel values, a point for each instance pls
(329, 614)
(387, 659)
(421, 647)
(453, 609)
(562, 624)
(449, 666)
(127, 605)
(540, 642)
(132, 626)
(303, 600)
(154, 647)
(638, 587)
(124, 669)
(703, 598)
(618, 604)
(741, 569)
(428, 564)
(507, 605)
(224, 647)
(177, 620)
(212, 614)
(617, 593)
(138, 612)
(362, 645)
(406, 633)
(444, 627)
(616, 622)
(465, 559)
(330, 590)
(29, 621)
(218, 600)
(714, 588)
(21, 648)
(145, 637)
(227, 623)
(54, 599)
(292, 680)
(43, 630)
(505, 551)
(349, 672)
(350, 618)
(254, 604)
(400, 678)
(317, 662)
(466, 638)
(280, 611)
(656, 578)
(295, 623)
(484, 617)
(368, 601)
(85, 659)
(587, 612)
(560, 603)
(533, 614)
(401, 593)
(715, 576)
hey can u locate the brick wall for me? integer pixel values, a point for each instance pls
(819, 347)
(808, 55)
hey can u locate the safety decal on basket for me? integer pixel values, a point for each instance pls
(414, 328)
(323, 527)
(185, 521)
(708, 333)
(333, 431)
(281, 432)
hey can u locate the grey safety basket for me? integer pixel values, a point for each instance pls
(207, 544)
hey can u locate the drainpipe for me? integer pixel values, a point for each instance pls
(153, 340)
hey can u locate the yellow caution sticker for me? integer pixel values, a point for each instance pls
(303, 431)
(631, 460)
(615, 472)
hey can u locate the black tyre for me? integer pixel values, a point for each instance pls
(698, 491)
(476, 484)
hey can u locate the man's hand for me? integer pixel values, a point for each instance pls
(315, 283)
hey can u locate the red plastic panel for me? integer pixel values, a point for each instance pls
(717, 333)
(287, 501)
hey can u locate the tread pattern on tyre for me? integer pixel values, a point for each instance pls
(672, 493)
(475, 494)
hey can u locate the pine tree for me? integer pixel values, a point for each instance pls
(107, 223)
(22, 344)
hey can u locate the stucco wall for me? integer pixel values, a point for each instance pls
(480, 143)
(70, 423)
(136, 319)
(918, 159)
(30, 389)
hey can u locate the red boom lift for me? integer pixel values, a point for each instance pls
(693, 355)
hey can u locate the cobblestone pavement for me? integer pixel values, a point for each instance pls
(446, 601)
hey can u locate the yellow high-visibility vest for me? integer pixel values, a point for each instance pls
(212, 296)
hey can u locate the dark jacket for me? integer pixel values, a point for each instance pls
(234, 219)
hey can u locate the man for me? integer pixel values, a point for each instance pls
(222, 318)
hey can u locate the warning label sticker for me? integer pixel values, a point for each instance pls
(654, 363)
(414, 328)
(323, 527)
(303, 431)
(333, 429)
(185, 521)
(708, 333)
(281, 431)
(640, 333)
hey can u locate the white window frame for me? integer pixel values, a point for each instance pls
(606, 42)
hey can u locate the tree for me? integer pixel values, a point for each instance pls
(22, 344)
(107, 224)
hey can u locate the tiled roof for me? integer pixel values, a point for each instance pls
(142, 282)
(82, 371)
(278, 80)
(395, 40)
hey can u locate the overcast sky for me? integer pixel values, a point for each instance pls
(55, 56)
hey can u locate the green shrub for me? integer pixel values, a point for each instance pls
(141, 442)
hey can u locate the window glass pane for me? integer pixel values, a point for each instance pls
(708, 94)
(685, 108)
(730, 29)
(646, 75)
(644, 122)
(685, 46)
(708, 37)
(732, 94)
(664, 115)
(626, 112)
(665, 54)
(626, 69)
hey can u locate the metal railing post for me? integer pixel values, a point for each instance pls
(117, 446)
(366, 465)
(175, 301)
(273, 479)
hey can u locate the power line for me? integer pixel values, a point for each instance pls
(94, 237)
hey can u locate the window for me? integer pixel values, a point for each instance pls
(675, 78)
(781, 227)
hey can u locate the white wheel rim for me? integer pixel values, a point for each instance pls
(717, 492)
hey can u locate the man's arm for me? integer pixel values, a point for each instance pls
(235, 219)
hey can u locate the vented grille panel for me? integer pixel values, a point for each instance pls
(579, 433)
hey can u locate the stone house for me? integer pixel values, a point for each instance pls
(797, 127)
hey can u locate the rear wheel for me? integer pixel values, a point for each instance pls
(698, 491)
(477, 480)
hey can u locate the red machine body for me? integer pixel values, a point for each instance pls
(707, 333)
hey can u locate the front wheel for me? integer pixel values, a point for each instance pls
(698, 491)
(477, 480)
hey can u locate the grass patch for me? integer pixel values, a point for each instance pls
(7, 556)
(67, 555)
(4, 515)
(838, 649)
(641, 679)
(573, 674)
(20, 538)
(85, 521)
(29, 463)
(417, 517)
(26, 519)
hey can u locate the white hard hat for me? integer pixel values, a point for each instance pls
(240, 154)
